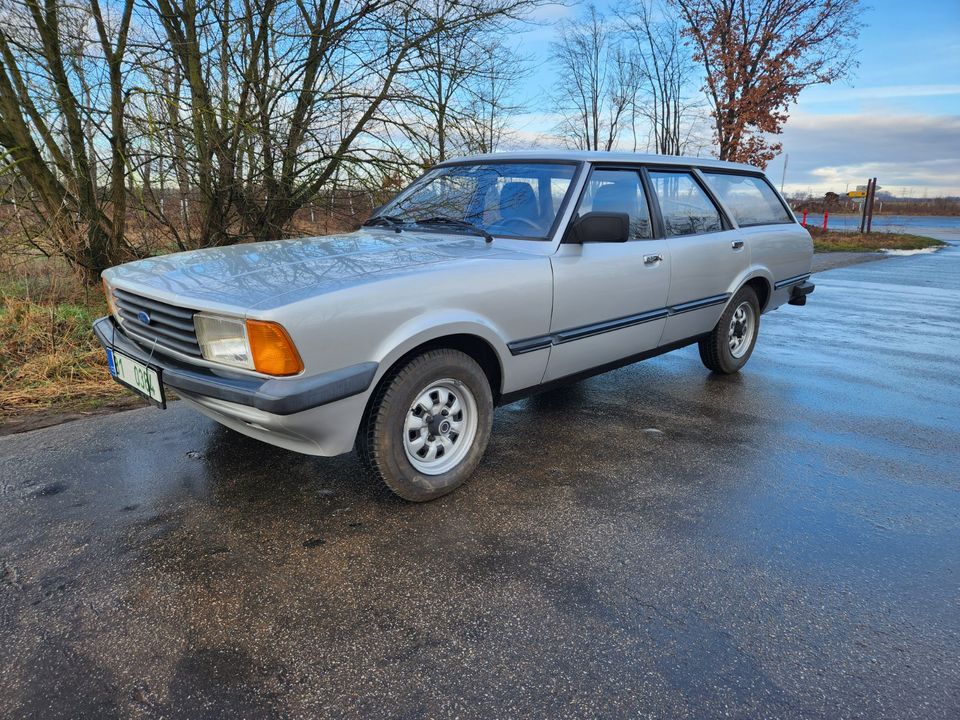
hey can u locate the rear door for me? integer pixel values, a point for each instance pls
(706, 253)
(765, 221)
(609, 297)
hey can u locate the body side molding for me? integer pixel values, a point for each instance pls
(795, 280)
(541, 342)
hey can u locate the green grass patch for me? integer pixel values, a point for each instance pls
(833, 241)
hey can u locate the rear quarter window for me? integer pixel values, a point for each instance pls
(749, 199)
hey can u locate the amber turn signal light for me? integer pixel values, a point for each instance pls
(272, 349)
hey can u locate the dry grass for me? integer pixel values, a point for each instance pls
(49, 358)
(833, 241)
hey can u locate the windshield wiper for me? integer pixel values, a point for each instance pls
(456, 222)
(386, 221)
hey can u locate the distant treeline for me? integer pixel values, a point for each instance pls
(949, 206)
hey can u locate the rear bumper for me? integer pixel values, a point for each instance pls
(276, 396)
(798, 293)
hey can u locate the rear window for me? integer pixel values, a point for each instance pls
(749, 198)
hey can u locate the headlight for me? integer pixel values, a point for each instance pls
(252, 344)
(111, 303)
(223, 340)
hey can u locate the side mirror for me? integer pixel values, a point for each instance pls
(600, 227)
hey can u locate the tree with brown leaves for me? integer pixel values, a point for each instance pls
(758, 55)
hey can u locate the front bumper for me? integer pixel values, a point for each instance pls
(277, 396)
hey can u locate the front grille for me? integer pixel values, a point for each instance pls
(170, 327)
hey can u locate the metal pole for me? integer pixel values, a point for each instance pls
(863, 210)
(871, 194)
(783, 178)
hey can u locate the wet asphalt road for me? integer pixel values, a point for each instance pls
(655, 542)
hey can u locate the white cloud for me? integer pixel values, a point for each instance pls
(919, 153)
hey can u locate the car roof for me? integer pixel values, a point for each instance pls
(597, 157)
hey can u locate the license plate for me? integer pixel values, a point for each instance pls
(135, 375)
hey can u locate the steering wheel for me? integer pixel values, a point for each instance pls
(527, 223)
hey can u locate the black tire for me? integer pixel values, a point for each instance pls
(381, 439)
(715, 349)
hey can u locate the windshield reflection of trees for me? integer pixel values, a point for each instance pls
(478, 194)
(272, 268)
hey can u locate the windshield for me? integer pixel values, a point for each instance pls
(518, 200)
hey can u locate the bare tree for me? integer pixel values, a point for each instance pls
(459, 98)
(758, 55)
(440, 72)
(598, 82)
(666, 73)
(211, 121)
(484, 125)
(52, 66)
(282, 97)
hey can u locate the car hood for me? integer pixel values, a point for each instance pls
(266, 275)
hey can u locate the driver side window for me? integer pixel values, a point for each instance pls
(618, 191)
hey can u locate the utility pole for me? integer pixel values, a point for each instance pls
(866, 217)
(783, 178)
(863, 210)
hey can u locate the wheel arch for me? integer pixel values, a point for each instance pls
(472, 345)
(761, 286)
(478, 341)
(760, 280)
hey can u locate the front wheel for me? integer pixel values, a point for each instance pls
(729, 345)
(428, 425)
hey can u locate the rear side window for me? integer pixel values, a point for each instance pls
(749, 198)
(619, 191)
(685, 206)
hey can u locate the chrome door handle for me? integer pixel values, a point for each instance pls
(651, 259)
(736, 244)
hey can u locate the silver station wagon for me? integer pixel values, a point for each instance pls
(489, 278)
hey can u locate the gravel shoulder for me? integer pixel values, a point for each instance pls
(833, 260)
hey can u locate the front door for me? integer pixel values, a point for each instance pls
(609, 298)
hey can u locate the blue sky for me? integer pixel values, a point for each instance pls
(897, 117)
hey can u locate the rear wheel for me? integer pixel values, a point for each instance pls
(428, 425)
(729, 345)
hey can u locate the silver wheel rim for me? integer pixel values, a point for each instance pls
(743, 325)
(440, 427)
